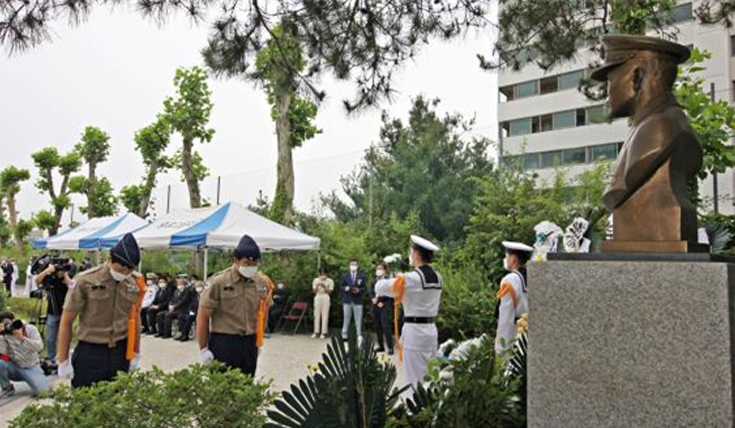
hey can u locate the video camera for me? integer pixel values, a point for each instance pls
(63, 264)
(10, 327)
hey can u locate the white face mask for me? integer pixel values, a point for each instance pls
(180, 287)
(199, 289)
(410, 259)
(280, 286)
(117, 276)
(149, 283)
(353, 268)
(380, 272)
(505, 263)
(161, 284)
(248, 271)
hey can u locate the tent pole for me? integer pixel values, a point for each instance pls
(318, 260)
(206, 260)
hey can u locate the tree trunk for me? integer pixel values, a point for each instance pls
(91, 183)
(150, 183)
(187, 167)
(13, 219)
(58, 210)
(282, 210)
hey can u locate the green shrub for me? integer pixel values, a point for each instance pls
(198, 396)
(473, 392)
(468, 304)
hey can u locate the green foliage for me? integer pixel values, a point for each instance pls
(47, 161)
(721, 232)
(152, 142)
(131, 197)
(351, 389)
(427, 166)
(472, 392)
(199, 170)
(713, 121)
(197, 396)
(188, 112)
(301, 114)
(511, 203)
(94, 146)
(551, 32)
(100, 196)
(23, 228)
(10, 179)
(45, 220)
(468, 303)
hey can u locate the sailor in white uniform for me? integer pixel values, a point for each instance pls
(420, 293)
(512, 296)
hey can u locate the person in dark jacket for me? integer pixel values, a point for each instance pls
(186, 318)
(353, 286)
(382, 310)
(280, 299)
(179, 304)
(160, 303)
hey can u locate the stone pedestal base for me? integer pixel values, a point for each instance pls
(631, 344)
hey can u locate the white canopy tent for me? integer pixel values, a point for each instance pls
(220, 227)
(91, 234)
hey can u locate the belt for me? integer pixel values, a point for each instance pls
(419, 320)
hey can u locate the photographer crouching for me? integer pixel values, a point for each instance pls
(20, 346)
(53, 276)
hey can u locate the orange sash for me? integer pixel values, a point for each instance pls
(263, 309)
(399, 287)
(133, 317)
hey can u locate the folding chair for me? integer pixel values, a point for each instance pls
(297, 312)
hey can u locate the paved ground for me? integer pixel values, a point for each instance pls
(284, 360)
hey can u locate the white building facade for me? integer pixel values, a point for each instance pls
(546, 123)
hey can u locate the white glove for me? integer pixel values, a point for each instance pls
(260, 351)
(66, 370)
(134, 363)
(206, 356)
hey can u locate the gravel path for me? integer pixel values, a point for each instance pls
(284, 360)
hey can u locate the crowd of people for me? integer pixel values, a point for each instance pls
(229, 315)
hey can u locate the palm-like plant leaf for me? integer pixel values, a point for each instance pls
(350, 390)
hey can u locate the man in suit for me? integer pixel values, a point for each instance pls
(353, 287)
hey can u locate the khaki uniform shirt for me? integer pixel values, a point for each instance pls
(103, 305)
(234, 301)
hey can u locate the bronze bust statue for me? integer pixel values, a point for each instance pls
(647, 193)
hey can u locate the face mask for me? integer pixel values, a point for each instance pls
(280, 286)
(410, 261)
(380, 272)
(180, 287)
(248, 271)
(353, 268)
(149, 283)
(117, 276)
(161, 284)
(505, 264)
(199, 289)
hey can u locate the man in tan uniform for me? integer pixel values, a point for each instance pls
(233, 310)
(107, 299)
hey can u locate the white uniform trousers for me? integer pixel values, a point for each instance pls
(419, 346)
(321, 313)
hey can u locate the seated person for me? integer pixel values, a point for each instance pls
(179, 304)
(150, 296)
(187, 318)
(280, 299)
(160, 303)
(20, 346)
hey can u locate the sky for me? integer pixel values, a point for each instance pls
(114, 71)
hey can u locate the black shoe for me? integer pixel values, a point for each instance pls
(165, 336)
(390, 352)
(150, 332)
(144, 331)
(183, 339)
(157, 335)
(379, 349)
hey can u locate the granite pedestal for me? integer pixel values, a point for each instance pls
(633, 343)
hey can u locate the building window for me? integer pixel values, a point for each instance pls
(681, 13)
(547, 122)
(604, 151)
(550, 159)
(520, 127)
(575, 156)
(732, 45)
(527, 89)
(506, 94)
(596, 114)
(530, 161)
(581, 117)
(570, 80)
(549, 85)
(565, 119)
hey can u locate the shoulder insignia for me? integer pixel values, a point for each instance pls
(73, 284)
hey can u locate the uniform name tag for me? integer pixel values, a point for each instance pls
(132, 288)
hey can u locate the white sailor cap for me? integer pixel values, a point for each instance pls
(517, 246)
(424, 243)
